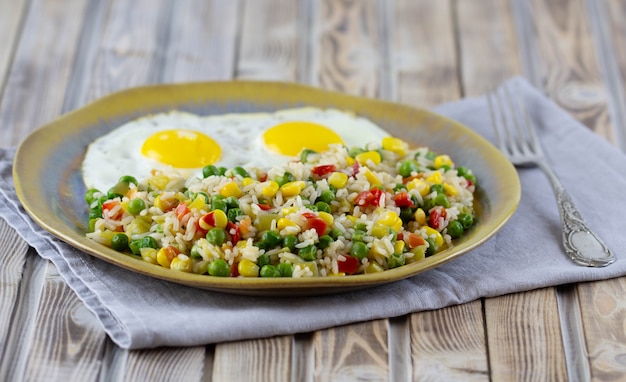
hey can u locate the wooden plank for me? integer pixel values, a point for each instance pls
(524, 337)
(202, 45)
(270, 41)
(68, 341)
(11, 16)
(262, 360)
(165, 364)
(567, 62)
(353, 352)
(449, 344)
(41, 68)
(12, 257)
(424, 54)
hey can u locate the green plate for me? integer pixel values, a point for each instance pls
(47, 171)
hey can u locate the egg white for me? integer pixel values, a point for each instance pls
(240, 137)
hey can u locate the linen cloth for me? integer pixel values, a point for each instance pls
(140, 312)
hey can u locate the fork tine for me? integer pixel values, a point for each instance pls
(521, 143)
(494, 119)
(534, 141)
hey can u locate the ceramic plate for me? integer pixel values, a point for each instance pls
(47, 171)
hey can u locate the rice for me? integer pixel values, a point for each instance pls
(300, 219)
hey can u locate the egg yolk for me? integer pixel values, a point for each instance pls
(181, 148)
(289, 138)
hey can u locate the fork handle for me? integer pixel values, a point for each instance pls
(581, 244)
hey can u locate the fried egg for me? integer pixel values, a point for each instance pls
(187, 142)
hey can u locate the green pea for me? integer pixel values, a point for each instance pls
(308, 253)
(240, 172)
(358, 235)
(431, 155)
(399, 187)
(441, 200)
(466, 220)
(269, 239)
(92, 224)
(233, 213)
(311, 207)
(219, 205)
(219, 268)
(438, 188)
(210, 170)
(432, 247)
(428, 204)
(407, 167)
(285, 269)
(222, 171)
(269, 271)
(135, 206)
(471, 178)
(455, 229)
(262, 260)
(95, 212)
(325, 241)
(149, 242)
(354, 151)
(406, 214)
(195, 253)
(322, 206)
(119, 242)
(445, 168)
(396, 260)
(359, 250)
(285, 178)
(360, 226)
(335, 233)
(216, 236)
(290, 241)
(135, 246)
(304, 155)
(232, 202)
(203, 195)
(90, 195)
(462, 171)
(127, 179)
(327, 196)
(217, 197)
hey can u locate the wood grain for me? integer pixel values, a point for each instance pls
(68, 342)
(270, 44)
(355, 352)
(11, 15)
(449, 344)
(33, 93)
(524, 337)
(201, 46)
(347, 54)
(165, 364)
(612, 14)
(260, 360)
(567, 63)
(12, 257)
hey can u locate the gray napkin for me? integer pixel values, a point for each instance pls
(141, 312)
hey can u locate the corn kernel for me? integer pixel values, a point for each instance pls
(198, 203)
(165, 256)
(391, 220)
(288, 210)
(373, 156)
(431, 232)
(338, 179)
(325, 216)
(380, 230)
(396, 145)
(420, 216)
(374, 267)
(422, 187)
(270, 190)
(435, 178)
(442, 160)
(450, 189)
(231, 189)
(181, 263)
(283, 223)
(370, 176)
(149, 254)
(352, 218)
(247, 268)
(337, 274)
(215, 218)
(398, 247)
(292, 188)
(350, 161)
(418, 252)
(247, 181)
(159, 182)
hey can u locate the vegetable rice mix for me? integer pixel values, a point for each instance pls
(339, 212)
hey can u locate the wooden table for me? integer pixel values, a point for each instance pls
(56, 55)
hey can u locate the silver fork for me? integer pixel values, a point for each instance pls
(518, 141)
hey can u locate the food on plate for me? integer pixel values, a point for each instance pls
(188, 142)
(343, 209)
